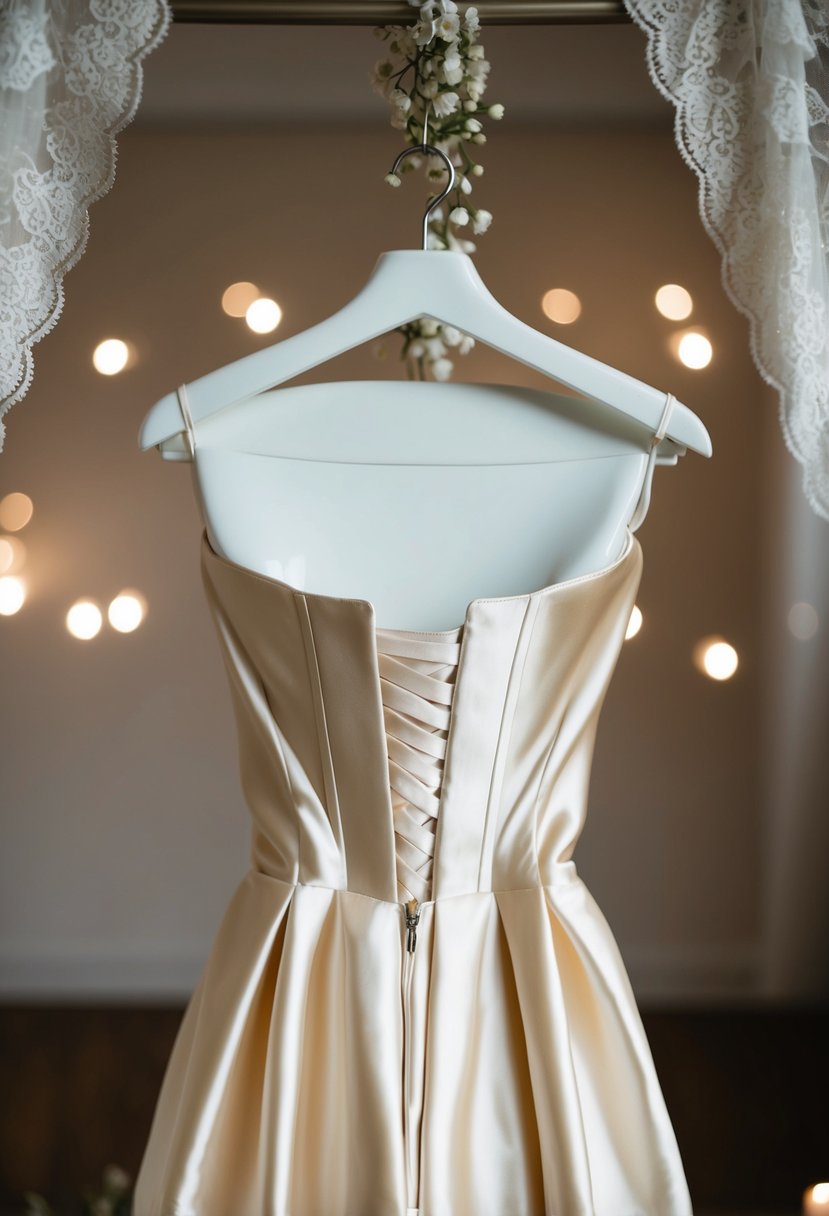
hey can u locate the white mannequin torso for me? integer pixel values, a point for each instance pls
(418, 497)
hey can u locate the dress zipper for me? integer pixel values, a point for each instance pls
(412, 917)
(412, 912)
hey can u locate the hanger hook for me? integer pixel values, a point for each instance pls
(426, 147)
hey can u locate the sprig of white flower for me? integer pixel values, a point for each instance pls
(437, 65)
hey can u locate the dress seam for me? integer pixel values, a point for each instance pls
(572, 879)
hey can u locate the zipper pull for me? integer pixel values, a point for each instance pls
(412, 917)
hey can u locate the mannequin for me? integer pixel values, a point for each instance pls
(419, 497)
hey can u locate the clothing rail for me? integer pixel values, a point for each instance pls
(381, 12)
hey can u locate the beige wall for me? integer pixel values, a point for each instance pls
(124, 828)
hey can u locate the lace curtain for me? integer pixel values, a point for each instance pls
(748, 79)
(70, 80)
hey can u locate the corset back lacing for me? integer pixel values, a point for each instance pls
(417, 679)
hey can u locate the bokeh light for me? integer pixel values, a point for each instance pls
(694, 350)
(263, 315)
(127, 610)
(237, 298)
(12, 595)
(635, 623)
(674, 302)
(15, 511)
(111, 356)
(84, 619)
(561, 305)
(12, 554)
(715, 658)
(802, 621)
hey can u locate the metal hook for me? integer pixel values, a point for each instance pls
(425, 147)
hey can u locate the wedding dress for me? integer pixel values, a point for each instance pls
(413, 1005)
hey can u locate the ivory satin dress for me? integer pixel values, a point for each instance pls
(413, 1006)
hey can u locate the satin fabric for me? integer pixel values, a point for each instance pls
(501, 1067)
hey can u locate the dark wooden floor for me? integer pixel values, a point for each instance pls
(746, 1090)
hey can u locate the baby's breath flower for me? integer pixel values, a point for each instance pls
(447, 26)
(453, 75)
(433, 67)
(402, 100)
(425, 31)
(445, 104)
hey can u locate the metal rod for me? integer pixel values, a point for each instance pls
(384, 12)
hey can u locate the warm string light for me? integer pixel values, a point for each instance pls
(715, 658)
(634, 624)
(803, 621)
(674, 302)
(125, 613)
(111, 356)
(12, 595)
(691, 347)
(561, 305)
(238, 297)
(84, 619)
(263, 315)
(816, 1200)
(12, 554)
(15, 511)
(244, 300)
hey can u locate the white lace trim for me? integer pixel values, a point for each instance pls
(70, 80)
(750, 83)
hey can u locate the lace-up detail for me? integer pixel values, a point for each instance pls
(417, 679)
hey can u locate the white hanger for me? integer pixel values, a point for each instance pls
(446, 286)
